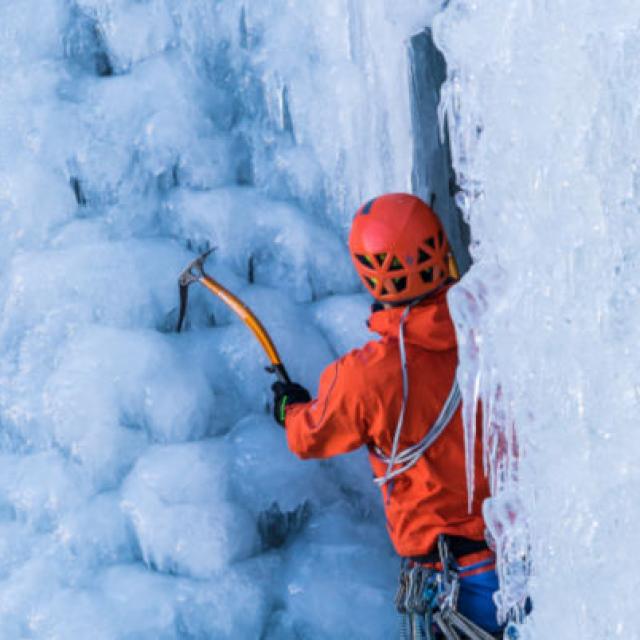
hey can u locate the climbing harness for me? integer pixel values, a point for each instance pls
(399, 462)
(428, 600)
(458, 546)
(195, 272)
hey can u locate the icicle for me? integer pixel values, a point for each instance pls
(471, 396)
(465, 313)
(487, 412)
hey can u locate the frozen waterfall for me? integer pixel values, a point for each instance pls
(145, 491)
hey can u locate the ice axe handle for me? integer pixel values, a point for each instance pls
(195, 273)
(280, 372)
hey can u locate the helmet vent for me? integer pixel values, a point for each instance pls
(399, 283)
(396, 265)
(371, 282)
(423, 256)
(427, 275)
(431, 242)
(364, 260)
(380, 258)
(367, 207)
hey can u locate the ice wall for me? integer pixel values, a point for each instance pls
(145, 491)
(543, 111)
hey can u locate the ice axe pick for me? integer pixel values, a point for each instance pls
(195, 273)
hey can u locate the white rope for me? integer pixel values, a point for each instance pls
(410, 456)
(405, 396)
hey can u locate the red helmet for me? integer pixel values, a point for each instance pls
(399, 248)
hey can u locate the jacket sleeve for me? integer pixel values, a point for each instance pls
(334, 422)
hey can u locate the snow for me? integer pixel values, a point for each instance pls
(541, 105)
(145, 491)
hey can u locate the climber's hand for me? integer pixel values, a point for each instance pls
(284, 394)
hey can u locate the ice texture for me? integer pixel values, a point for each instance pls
(541, 103)
(145, 490)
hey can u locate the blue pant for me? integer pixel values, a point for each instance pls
(476, 597)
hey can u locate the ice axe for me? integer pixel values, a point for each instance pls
(195, 273)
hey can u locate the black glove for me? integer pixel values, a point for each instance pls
(284, 394)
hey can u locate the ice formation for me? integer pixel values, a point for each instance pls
(543, 113)
(145, 492)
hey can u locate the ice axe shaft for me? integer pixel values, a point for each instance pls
(251, 320)
(195, 273)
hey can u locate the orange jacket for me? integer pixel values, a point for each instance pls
(359, 401)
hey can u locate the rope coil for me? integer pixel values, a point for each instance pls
(410, 456)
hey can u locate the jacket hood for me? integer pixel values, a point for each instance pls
(428, 324)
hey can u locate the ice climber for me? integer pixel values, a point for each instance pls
(398, 397)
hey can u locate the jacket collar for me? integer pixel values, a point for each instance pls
(428, 324)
